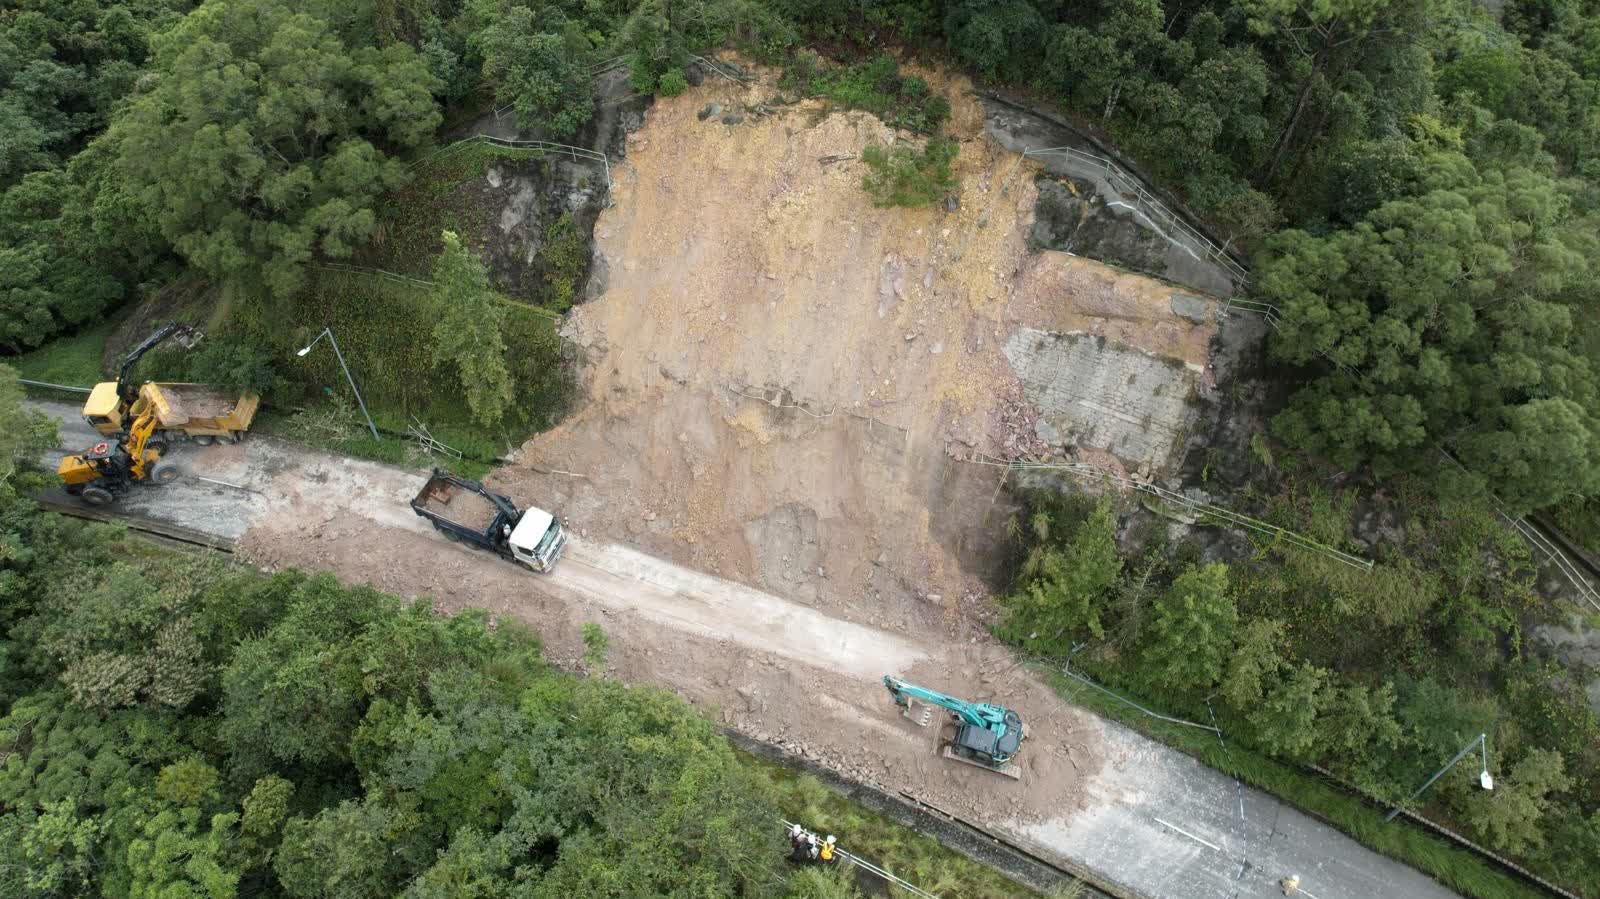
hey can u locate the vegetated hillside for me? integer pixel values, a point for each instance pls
(1417, 179)
(1380, 676)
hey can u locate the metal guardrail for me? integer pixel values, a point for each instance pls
(1541, 544)
(45, 385)
(1154, 212)
(1084, 470)
(717, 67)
(577, 154)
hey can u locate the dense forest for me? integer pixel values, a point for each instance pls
(1380, 677)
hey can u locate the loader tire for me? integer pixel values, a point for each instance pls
(160, 447)
(97, 496)
(165, 473)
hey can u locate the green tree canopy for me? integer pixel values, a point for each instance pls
(1438, 321)
(265, 137)
(1064, 584)
(468, 335)
(539, 63)
(1187, 641)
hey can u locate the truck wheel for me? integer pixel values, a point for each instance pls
(97, 496)
(165, 472)
(225, 439)
(202, 439)
(452, 536)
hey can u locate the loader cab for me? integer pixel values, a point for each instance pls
(537, 540)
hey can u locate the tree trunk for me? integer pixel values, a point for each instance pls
(1111, 100)
(1286, 137)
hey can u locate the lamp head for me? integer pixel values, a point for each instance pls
(1487, 780)
(303, 351)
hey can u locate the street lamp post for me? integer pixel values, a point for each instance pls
(1484, 779)
(328, 333)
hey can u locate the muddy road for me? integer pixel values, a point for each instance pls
(1092, 793)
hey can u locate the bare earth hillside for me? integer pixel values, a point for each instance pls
(785, 383)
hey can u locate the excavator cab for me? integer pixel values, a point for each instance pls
(994, 748)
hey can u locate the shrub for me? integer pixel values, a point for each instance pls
(672, 84)
(875, 86)
(902, 176)
(564, 255)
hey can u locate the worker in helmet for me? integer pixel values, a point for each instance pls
(797, 843)
(826, 853)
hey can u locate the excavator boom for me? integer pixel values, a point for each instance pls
(973, 713)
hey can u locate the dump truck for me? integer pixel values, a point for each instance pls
(182, 411)
(466, 511)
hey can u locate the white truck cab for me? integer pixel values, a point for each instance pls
(538, 539)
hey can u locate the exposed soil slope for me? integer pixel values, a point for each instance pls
(784, 381)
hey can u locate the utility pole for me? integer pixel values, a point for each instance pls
(328, 333)
(1484, 779)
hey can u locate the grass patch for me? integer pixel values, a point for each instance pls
(904, 176)
(73, 360)
(1451, 865)
(897, 849)
(1579, 519)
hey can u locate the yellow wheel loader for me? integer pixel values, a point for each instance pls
(106, 470)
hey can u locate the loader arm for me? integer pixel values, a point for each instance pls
(138, 439)
(127, 392)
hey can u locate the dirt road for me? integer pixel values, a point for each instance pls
(1092, 793)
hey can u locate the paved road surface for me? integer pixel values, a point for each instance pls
(1156, 821)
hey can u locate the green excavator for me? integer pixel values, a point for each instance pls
(977, 733)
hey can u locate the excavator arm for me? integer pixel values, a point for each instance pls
(969, 712)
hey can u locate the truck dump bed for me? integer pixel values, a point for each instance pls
(198, 408)
(185, 402)
(465, 508)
